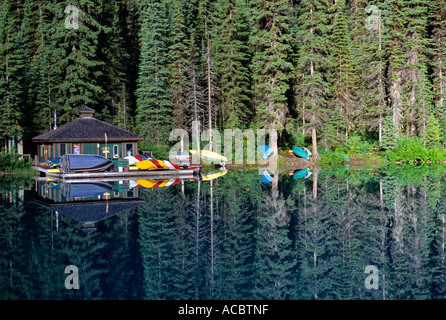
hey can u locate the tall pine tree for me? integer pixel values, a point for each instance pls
(343, 74)
(232, 59)
(407, 65)
(312, 88)
(438, 58)
(154, 105)
(75, 33)
(115, 97)
(271, 66)
(11, 69)
(178, 63)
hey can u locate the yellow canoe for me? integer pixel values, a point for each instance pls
(213, 176)
(210, 155)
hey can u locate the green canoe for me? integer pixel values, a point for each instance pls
(302, 152)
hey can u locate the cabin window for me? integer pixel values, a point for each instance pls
(76, 148)
(115, 151)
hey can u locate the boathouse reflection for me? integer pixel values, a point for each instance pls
(88, 202)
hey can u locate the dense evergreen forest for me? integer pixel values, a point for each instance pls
(325, 71)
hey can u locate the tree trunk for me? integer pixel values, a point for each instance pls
(380, 128)
(316, 155)
(209, 90)
(315, 176)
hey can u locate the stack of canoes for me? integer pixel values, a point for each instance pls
(143, 162)
(94, 163)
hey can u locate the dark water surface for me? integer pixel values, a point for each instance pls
(341, 233)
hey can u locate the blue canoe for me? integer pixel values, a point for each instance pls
(266, 177)
(302, 174)
(85, 190)
(265, 151)
(84, 163)
(302, 152)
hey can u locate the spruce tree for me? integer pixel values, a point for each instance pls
(11, 69)
(423, 106)
(372, 89)
(397, 58)
(438, 59)
(154, 105)
(432, 136)
(204, 33)
(407, 64)
(27, 34)
(113, 77)
(178, 63)
(389, 138)
(334, 129)
(312, 87)
(343, 75)
(271, 66)
(78, 64)
(232, 58)
(195, 93)
(48, 75)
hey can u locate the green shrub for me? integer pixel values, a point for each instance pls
(436, 154)
(412, 150)
(10, 162)
(332, 157)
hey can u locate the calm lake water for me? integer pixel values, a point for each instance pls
(334, 233)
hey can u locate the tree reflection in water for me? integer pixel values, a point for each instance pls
(237, 238)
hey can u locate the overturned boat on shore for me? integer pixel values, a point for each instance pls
(302, 152)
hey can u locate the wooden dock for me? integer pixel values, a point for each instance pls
(124, 175)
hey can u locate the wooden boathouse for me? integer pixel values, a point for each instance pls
(87, 135)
